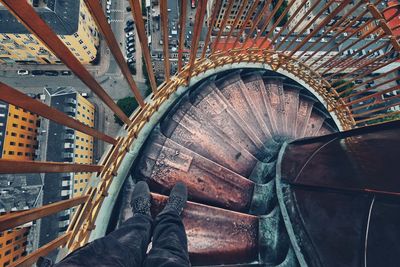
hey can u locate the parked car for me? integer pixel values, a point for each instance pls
(108, 2)
(130, 39)
(128, 34)
(130, 45)
(23, 72)
(129, 55)
(129, 22)
(128, 28)
(51, 72)
(131, 49)
(66, 72)
(37, 72)
(131, 60)
(128, 9)
(108, 19)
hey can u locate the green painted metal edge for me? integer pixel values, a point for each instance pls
(284, 212)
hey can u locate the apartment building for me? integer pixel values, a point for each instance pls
(69, 19)
(64, 144)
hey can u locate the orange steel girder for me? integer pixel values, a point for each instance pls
(137, 16)
(164, 24)
(27, 15)
(16, 98)
(98, 15)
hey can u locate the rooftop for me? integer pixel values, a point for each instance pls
(61, 15)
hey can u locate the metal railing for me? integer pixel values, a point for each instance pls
(329, 46)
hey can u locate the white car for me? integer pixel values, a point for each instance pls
(108, 2)
(128, 34)
(23, 72)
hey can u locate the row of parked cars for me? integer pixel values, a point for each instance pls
(130, 42)
(108, 11)
(44, 72)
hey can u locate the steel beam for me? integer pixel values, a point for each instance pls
(216, 8)
(236, 21)
(14, 219)
(137, 16)
(182, 27)
(32, 258)
(292, 17)
(27, 16)
(246, 21)
(199, 18)
(22, 166)
(164, 27)
(16, 98)
(222, 26)
(101, 21)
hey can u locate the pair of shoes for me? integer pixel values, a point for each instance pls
(141, 199)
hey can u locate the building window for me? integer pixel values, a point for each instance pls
(12, 133)
(12, 143)
(14, 125)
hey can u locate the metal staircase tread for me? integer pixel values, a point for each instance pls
(216, 101)
(208, 182)
(215, 235)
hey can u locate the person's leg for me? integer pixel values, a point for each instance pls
(169, 237)
(125, 246)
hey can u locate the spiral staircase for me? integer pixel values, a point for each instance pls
(222, 139)
(282, 135)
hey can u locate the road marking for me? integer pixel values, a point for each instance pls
(117, 20)
(116, 10)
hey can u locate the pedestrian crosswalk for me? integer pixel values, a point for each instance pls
(116, 20)
(116, 10)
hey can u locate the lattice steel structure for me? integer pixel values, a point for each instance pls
(313, 51)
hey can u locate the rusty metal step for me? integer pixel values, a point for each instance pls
(255, 88)
(325, 129)
(164, 162)
(303, 115)
(216, 236)
(314, 124)
(275, 102)
(206, 141)
(213, 112)
(291, 103)
(232, 90)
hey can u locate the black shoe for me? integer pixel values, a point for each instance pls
(177, 199)
(141, 199)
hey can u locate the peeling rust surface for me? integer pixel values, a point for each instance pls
(216, 236)
(164, 162)
(303, 114)
(314, 124)
(291, 103)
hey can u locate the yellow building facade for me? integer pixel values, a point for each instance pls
(83, 143)
(18, 141)
(19, 134)
(78, 31)
(12, 245)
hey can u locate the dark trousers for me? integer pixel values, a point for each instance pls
(127, 245)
